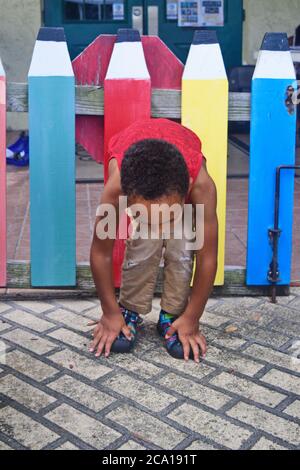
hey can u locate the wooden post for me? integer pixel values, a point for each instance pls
(127, 98)
(205, 111)
(52, 162)
(3, 247)
(90, 68)
(273, 131)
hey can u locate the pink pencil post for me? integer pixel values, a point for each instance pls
(3, 249)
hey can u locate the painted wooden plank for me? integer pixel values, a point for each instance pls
(3, 227)
(205, 111)
(52, 161)
(273, 131)
(127, 98)
(90, 68)
(19, 278)
(90, 102)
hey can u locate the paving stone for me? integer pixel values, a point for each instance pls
(24, 393)
(131, 363)
(294, 409)
(248, 389)
(213, 319)
(160, 356)
(4, 446)
(213, 427)
(67, 446)
(4, 325)
(34, 306)
(229, 341)
(30, 321)
(72, 320)
(90, 368)
(287, 327)
(86, 428)
(295, 291)
(145, 427)
(282, 380)
(72, 339)
(92, 314)
(237, 308)
(29, 341)
(131, 445)
(211, 304)
(296, 302)
(25, 430)
(285, 300)
(268, 422)
(82, 393)
(199, 445)
(271, 356)
(4, 306)
(29, 366)
(78, 306)
(269, 337)
(233, 361)
(266, 444)
(195, 391)
(290, 312)
(141, 392)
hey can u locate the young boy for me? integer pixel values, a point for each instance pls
(156, 161)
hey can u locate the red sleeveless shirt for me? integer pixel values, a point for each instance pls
(186, 141)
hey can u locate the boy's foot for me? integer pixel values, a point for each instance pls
(173, 344)
(121, 343)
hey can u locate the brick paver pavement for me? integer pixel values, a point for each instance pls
(55, 395)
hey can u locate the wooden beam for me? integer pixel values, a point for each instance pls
(18, 286)
(164, 103)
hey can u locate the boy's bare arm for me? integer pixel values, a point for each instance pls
(101, 262)
(187, 325)
(102, 251)
(204, 192)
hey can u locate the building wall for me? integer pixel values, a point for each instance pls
(267, 16)
(20, 21)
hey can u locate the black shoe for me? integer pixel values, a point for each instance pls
(122, 344)
(173, 345)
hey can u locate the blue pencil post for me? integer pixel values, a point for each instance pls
(273, 132)
(52, 162)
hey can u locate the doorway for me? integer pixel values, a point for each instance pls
(84, 20)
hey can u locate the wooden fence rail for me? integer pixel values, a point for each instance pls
(165, 103)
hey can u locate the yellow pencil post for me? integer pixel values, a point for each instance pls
(205, 111)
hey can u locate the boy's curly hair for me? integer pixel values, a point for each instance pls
(153, 168)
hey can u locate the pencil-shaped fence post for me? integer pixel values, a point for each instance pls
(273, 131)
(3, 247)
(205, 111)
(127, 98)
(52, 161)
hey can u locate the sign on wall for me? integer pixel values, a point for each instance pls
(201, 13)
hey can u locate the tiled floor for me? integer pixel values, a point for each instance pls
(54, 394)
(88, 196)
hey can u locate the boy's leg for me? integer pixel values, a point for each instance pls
(139, 274)
(178, 272)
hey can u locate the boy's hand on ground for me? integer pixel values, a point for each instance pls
(107, 330)
(189, 335)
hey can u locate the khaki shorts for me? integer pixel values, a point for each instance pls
(140, 269)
